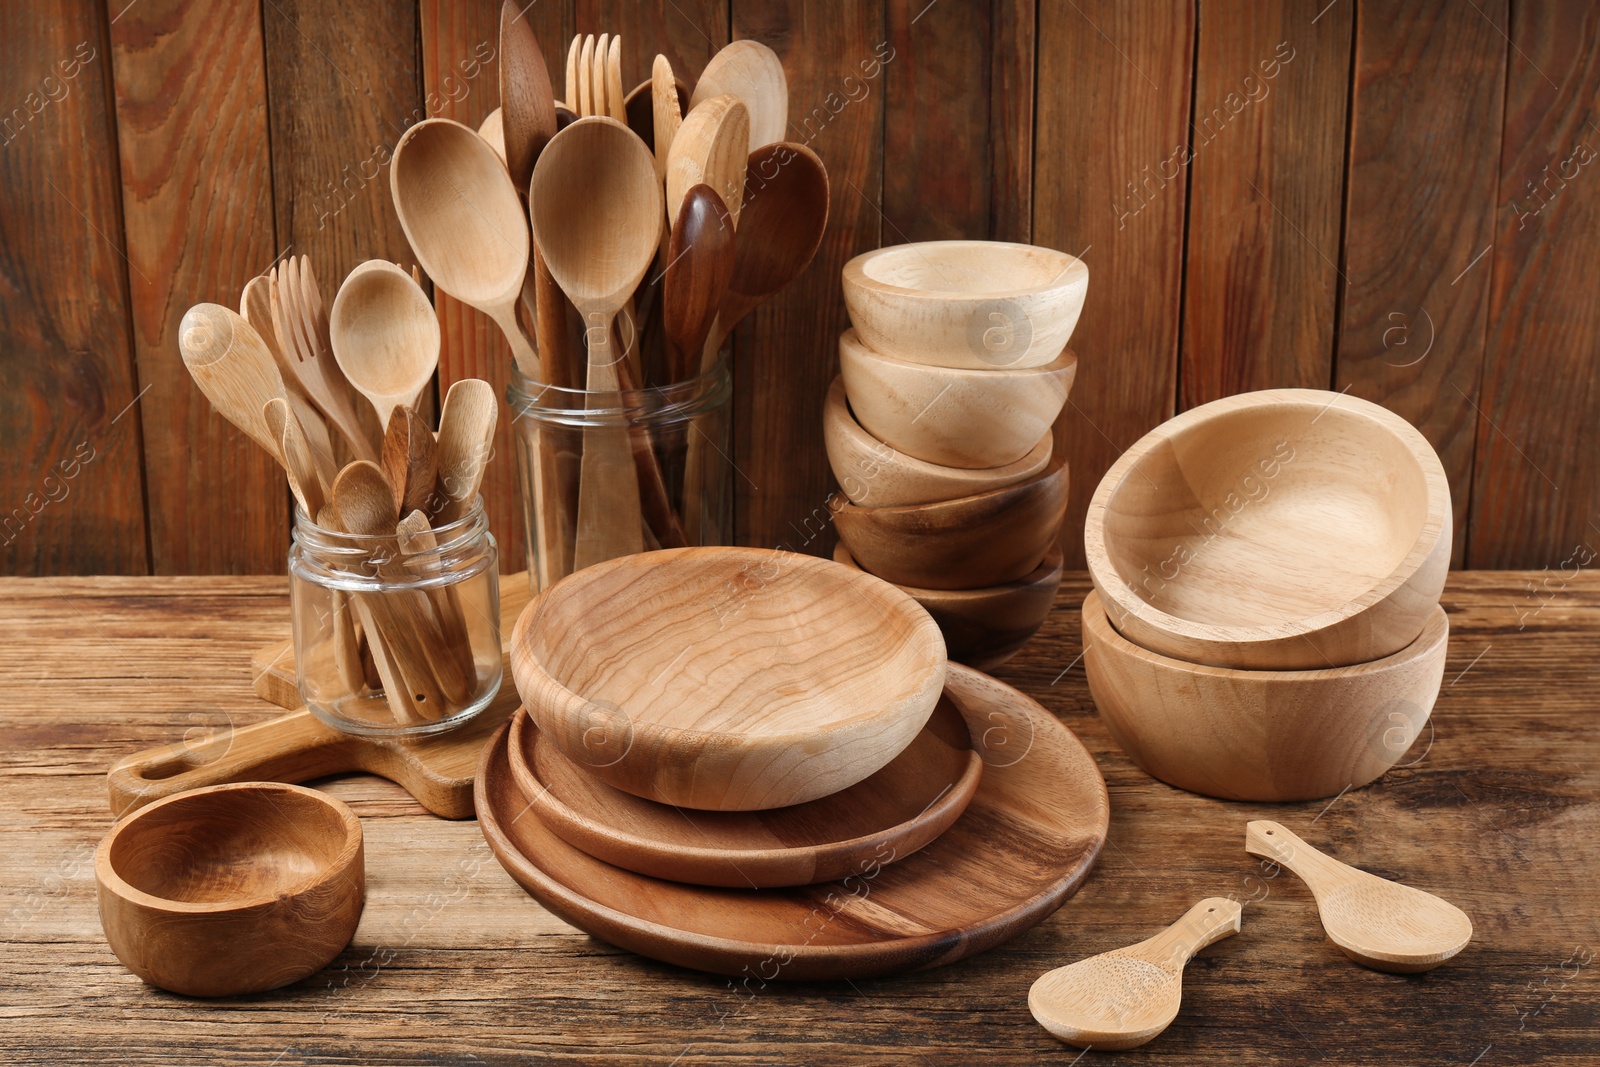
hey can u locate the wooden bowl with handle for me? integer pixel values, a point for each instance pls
(873, 475)
(985, 627)
(979, 305)
(955, 418)
(1289, 529)
(233, 888)
(730, 679)
(1261, 735)
(976, 541)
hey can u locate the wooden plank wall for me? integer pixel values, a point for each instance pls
(1389, 198)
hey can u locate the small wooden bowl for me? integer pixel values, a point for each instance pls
(1289, 529)
(956, 418)
(985, 627)
(988, 539)
(232, 888)
(873, 475)
(730, 679)
(981, 305)
(1261, 735)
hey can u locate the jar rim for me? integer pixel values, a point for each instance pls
(709, 389)
(446, 534)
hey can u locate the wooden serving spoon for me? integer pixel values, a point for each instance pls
(385, 335)
(711, 146)
(466, 437)
(1378, 923)
(462, 216)
(232, 366)
(700, 261)
(527, 103)
(1123, 998)
(667, 111)
(752, 72)
(596, 210)
(410, 459)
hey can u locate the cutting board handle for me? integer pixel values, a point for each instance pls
(291, 748)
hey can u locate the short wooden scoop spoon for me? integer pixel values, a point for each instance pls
(1378, 923)
(1123, 998)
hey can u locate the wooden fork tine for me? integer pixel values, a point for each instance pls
(597, 94)
(316, 310)
(586, 78)
(572, 73)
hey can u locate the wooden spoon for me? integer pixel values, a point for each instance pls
(493, 130)
(1378, 923)
(232, 366)
(596, 209)
(410, 459)
(307, 485)
(752, 72)
(700, 259)
(1123, 998)
(667, 108)
(385, 335)
(527, 103)
(710, 147)
(466, 437)
(461, 214)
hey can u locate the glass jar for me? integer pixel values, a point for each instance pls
(397, 635)
(674, 485)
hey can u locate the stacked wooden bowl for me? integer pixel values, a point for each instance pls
(1267, 568)
(939, 431)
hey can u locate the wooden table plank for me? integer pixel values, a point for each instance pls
(1497, 809)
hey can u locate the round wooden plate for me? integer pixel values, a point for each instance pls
(1022, 847)
(898, 809)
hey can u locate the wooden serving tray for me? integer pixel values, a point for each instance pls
(1024, 845)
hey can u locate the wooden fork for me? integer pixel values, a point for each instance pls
(594, 77)
(301, 325)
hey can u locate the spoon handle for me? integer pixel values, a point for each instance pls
(1272, 841)
(610, 523)
(505, 317)
(1208, 922)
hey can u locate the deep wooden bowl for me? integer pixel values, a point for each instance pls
(232, 888)
(955, 418)
(730, 679)
(1290, 529)
(985, 627)
(976, 541)
(1261, 735)
(982, 305)
(874, 475)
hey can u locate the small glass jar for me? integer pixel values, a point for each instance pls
(398, 635)
(677, 437)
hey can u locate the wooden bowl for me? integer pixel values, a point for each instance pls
(730, 679)
(981, 305)
(988, 539)
(233, 888)
(1261, 735)
(985, 627)
(873, 475)
(955, 418)
(1290, 529)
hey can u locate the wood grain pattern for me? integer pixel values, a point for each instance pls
(1412, 323)
(1534, 493)
(197, 207)
(71, 483)
(1497, 810)
(1268, 145)
(1130, 64)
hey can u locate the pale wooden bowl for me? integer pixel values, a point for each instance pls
(981, 305)
(955, 418)
(975, 541)
(731, 679)
(985, 627)
(874, 475)
(232, 888)
(1289, 529)
(1261, 735)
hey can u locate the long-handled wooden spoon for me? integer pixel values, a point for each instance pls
(527, 103)
(385, 335)
(711, 146)
(232, 366)
(461, 214)
(596, 206)
(754, 73)
(1123, 998)
(1378, 923)
(466, 437)
(700, 263)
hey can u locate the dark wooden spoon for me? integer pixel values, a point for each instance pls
(700, 263)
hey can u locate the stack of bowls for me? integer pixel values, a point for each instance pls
(1267, 568)
(939, 431)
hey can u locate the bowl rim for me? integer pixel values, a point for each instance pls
(1435, 632)
(1073, 272)
(1056, 468)
(1436, 521)
(1065, 363)
(112, 881)
(1051, 568)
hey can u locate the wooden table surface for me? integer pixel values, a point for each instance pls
(1497, 808)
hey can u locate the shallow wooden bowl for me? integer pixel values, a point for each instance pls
(982, 305)
(1290, 529)
(728, 679)
(985, 627)
(1261, 735)
(873, 475)
(976, 541)
(955, 418)
(233, 888)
